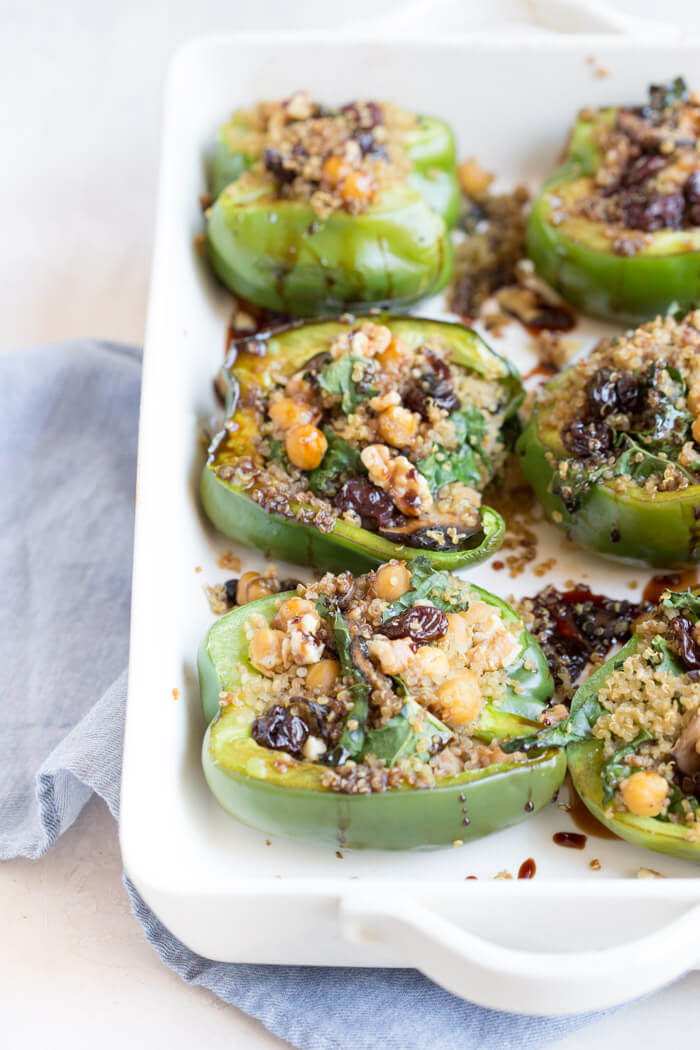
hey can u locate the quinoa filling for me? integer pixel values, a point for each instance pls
(648, 178)
(649, 721)
(397, 440)
(381, 678)
(331, 159)
(629, 413)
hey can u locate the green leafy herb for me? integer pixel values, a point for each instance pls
(670, 432)
(427, 583)
(676, 802)
(685, 602)
(585, 710)
(337, 378)
(577, 727)
(635, 461)
(352, 739)
(465, 463)
(278, 452)
(340, 458)
(398, 738)
(616, 769)
(664, 659)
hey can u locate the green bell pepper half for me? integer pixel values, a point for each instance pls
(586, 760)
(347, 546)
(242, 775)
(660, 529)
(575, 256)
(279, 254)
(430, 146)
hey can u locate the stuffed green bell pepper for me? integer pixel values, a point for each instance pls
(613, 446)
(369, 711)
(315, 211)
(616, 228)
(633, 733)
(351, 443)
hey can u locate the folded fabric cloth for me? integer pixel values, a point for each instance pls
(67, 457)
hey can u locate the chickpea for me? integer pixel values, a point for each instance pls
(333, 170)
(644, 793)
(265, 650)
(695, 430)
(294, 608)
(460, 698)
(390, 359)
(252, 586)
(397, 425)
(391, 581)
(306, 446)
(289, 412)
(693, 397)
(430, 662)
(357, 188)
(321, 676)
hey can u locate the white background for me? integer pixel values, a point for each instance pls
(80, 101)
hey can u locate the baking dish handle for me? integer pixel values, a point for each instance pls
(530, 982)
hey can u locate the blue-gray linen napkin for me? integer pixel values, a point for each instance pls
(67, 466)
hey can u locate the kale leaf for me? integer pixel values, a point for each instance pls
(464, 463)
(337, 378)
(676, 800)
(577, 727)
(585, 710)
(426, 583)
(684, 602)
(352, 741)
(278, 452)
(616, 769)
(340, 458)
(398, 738)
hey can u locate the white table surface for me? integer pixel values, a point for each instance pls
(80, 90)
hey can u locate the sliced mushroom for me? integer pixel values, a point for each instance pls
(378, 682)
(447, 533)
(685, 752)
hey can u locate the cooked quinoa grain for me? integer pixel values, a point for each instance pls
(337, 658)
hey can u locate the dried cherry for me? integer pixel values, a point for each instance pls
(688, 648)
(652, 212)
(274, 163)
(363, 114)
(281, 730)
(373, 506)
(422, 623)
(691, 192)
(587, 439)
(434, 386)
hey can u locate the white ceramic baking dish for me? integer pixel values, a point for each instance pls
(573, 938)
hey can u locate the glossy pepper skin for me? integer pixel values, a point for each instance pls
(279, 254)
(585, 760)
(347, 546)
(243, 777)
(622, 522)
(576, 257)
